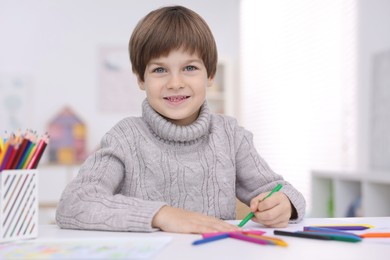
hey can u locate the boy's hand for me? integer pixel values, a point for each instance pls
(275, 211)
(182, 221)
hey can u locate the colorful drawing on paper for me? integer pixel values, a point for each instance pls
(118, 88)
(88, 248)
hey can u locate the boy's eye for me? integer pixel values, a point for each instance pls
(190, 68)
(159, 70)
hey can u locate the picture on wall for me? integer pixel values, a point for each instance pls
(118, 88)
(15, 102)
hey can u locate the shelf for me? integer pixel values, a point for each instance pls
(335, 192)
(222, 96)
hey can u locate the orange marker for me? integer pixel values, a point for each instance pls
(372, 235)
(277, 241)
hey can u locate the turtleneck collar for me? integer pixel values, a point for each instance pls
(169, 132)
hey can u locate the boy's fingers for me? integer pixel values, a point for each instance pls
(268, 214)
(267, 204)
(256, 201)
(275, 217)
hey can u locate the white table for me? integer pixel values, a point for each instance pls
(181, 246)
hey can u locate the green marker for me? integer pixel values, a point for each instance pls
(334, 236)
(251, 214)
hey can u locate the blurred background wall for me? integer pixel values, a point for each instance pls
(55, 48)
(310, 79)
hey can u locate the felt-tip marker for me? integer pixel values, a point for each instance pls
(251, 214)
(210, 239)
(302, 235)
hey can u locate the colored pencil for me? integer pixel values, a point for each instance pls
(8, 156)
(25, 155)
(38, 152)
(31, 137)
(2, 155)
(1, 145)
(20, 152)
(13, 149)
(6, 136)
(10, 146)
(29, 156)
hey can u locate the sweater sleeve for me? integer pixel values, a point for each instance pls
(254, 176)
(91, 200)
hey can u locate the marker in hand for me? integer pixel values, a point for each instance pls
(251, 214)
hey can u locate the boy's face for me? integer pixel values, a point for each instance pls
(176, 85)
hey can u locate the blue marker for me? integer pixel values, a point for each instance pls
(329, 230)
(210, 239)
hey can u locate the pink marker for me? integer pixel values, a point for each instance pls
(251, 239)
(254, 232)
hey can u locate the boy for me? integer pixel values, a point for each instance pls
(178, 168)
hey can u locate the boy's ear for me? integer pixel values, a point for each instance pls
(211, 81)
(140, 83)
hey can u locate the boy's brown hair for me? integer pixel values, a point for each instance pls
(171, 28)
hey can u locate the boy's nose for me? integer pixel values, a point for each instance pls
(175, 82)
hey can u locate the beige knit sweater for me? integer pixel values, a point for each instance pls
(147, 162)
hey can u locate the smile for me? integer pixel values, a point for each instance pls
(176, 98)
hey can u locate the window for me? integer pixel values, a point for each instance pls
(298, 84)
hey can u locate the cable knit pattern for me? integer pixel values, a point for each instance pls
(147, 162)
(164, 130)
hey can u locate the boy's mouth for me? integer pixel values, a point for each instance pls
(176, 98)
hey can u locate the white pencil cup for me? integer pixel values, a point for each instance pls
(18, 205)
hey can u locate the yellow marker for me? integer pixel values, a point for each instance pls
(277, 241)
(342, 225)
